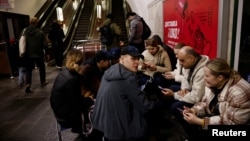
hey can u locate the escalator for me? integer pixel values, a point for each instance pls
(52, 16)
(84, 21)
(79, 30)
(82, 38)
(85, 36)
(69, 12)
(117, 5)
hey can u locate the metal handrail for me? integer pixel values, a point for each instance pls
(75, 43)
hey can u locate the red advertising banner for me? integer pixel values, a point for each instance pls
(194, 22)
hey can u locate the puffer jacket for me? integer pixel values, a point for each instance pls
(66, 99)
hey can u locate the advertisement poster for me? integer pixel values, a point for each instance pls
(194, 22)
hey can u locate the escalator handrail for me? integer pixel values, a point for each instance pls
(43, 17)
(68, 40)
(58, 4)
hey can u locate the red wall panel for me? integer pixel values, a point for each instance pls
(194, 22)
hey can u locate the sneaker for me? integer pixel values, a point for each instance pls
(44, 83)
(59, 67)
(27, 89)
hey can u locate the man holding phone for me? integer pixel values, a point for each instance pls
(193, 85)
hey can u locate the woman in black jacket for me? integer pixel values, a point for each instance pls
(66, 99)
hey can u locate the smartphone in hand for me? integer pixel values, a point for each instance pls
(179, 109)
(161, 88)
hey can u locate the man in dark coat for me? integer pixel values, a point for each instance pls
(36, 44)
(121, 106)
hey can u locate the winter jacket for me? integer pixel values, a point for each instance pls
(116, 31)
(56, 36)
(36, 42)
(196, 86)
(160, 59)
(233, 104)
(179, 73)
(66, 99)
(120, 105)
(171, 55)
(135, 30)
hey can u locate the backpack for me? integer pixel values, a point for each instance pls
(146, 30)
(107, 36)
(22, 44)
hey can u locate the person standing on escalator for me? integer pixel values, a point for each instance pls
(56, 36)
(135, 31)
(115, 34)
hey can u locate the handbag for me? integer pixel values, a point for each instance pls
(22, 44)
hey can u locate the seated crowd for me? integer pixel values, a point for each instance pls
(125, 89)
(210, 92)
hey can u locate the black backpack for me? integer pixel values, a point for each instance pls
(146, 30)
(107, 36)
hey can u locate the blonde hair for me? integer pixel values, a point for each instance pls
(33, 21)
(74, 59)
(218, 66)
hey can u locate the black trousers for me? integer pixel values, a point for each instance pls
(39, 62)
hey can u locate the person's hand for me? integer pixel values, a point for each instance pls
(188, 110)
(192, 118)
(152, 67)
(145, 66)
(167, 92)
(121, 43)
(182, 93)
(169, 75)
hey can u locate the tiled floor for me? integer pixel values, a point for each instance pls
(28, 116)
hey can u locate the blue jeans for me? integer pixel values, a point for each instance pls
(21, 73)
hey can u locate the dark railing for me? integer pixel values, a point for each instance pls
(45, 11)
